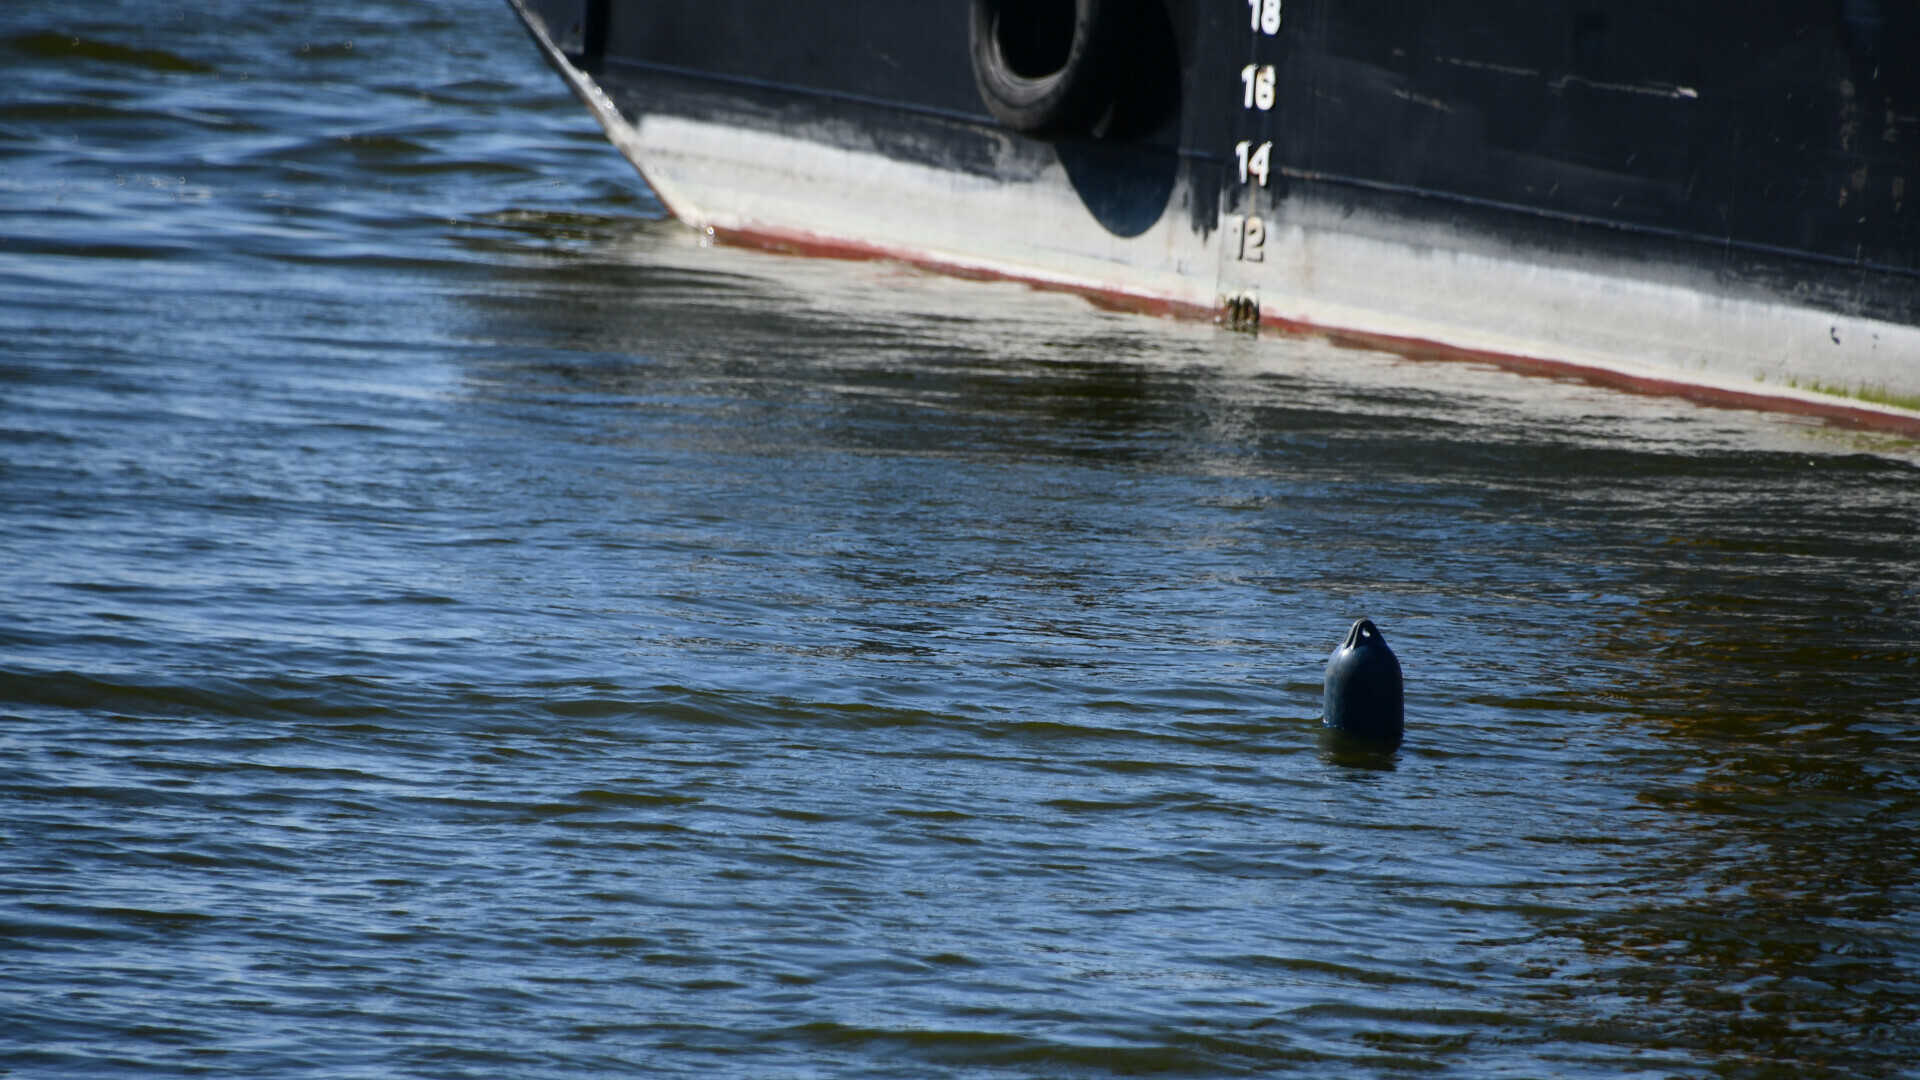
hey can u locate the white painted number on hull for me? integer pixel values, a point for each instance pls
(1266, 15)
(1259, 86)
(1249, 238)
(1253, 160)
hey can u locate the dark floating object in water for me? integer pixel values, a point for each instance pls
(1364, 696)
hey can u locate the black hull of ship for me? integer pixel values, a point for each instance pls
(1719, 200)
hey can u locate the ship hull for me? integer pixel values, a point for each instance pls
(1688, 261)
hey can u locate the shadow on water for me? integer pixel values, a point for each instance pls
(1760, 916)
(1351, 752)
(1775, 935)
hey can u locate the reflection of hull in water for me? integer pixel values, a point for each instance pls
(1550, 189)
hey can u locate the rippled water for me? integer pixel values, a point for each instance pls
(456, 625)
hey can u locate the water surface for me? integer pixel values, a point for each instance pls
(457, 625)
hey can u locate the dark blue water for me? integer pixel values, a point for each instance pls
(452, 624)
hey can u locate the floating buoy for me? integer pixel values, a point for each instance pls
(1363, 694)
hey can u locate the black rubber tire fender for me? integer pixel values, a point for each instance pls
(1049, 68)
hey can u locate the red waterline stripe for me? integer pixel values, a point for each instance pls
(1418, 349)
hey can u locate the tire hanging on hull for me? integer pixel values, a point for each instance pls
(1050, 68)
